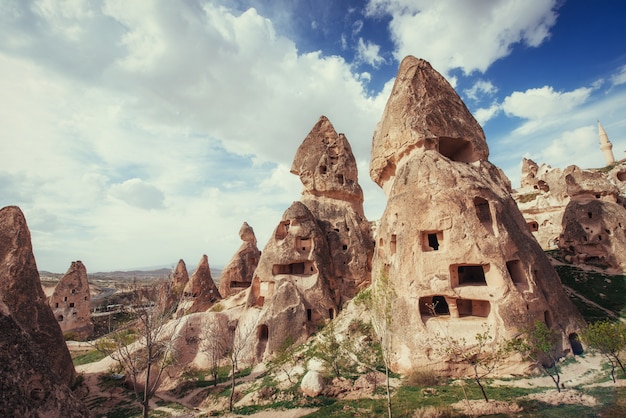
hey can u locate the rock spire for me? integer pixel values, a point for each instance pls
(200, 293)
(237, 274)
(71, 301)
(457, 252)
(21, 292)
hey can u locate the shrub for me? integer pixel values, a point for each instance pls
(423, 377)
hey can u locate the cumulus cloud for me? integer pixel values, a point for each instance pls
(542, 102)
(483, 115)
(438, 31)
(480, 89)
(619, 77)
(138, 193)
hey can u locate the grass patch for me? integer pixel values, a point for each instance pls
(528, 197)
(88, 357)
(608, 291)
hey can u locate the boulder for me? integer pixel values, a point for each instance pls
(21, 292)
(71, 301)
(312, 383)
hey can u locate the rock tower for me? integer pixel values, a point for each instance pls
(320, 253)
(71, 301)
(237, 275)
(21, 292)
(455, 249)
(200, 292)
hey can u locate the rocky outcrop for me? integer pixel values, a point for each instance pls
(28, 386)
(328, 171)
(237, 274)
(180, 278)
(200, 293)
(452, 247)
(71, 301)
(21, 292)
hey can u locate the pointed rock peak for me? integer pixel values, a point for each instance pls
(424, 112)
(325, 164)
(203, 264)
(180, 276)
(246, 233)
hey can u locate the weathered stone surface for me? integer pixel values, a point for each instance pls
(71, 301)
(237, 274)
(586, 184)
(20, 290)
(457, 252)
(180, 277)
(294, 282)
(28, 386)
(327, 168)
(423, 112)
(200, 292)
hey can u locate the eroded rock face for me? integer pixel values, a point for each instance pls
(423, 112)
(28, 386)
(180, 277)
(200, 292)
(71, 301)
(455, 249)
(20, 290)
(328, 171)
(294, 282)
(237, 275)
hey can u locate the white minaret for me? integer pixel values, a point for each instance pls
(605, 145)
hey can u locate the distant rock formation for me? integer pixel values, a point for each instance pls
(180, 278)
(237, 275)
(200, 292)
(320, 253)
(21, 292)
(28, 385)
(455, 249)
(579, 211)
(71, 301)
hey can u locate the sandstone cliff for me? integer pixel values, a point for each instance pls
(20, 290)
(457, 252)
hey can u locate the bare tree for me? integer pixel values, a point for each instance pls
(144, 347)
(216, 342)
(240, 336)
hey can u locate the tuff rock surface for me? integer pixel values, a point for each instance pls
(28, 385)
(21, 292)
(579, 211)
(237, 274)
(71, 301)
(200, 292)
(331, 191)
(452, 247)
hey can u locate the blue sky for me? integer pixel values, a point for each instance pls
(133, 134)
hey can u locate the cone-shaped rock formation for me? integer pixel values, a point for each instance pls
(200, 292)
(327, 168)
(20, 290)
(71, 301)
(237, 275)
(457, 252)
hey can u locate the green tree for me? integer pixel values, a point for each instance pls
(538, 343)
(383, 302)
(331, 351)
(609, 339)
(483, 355)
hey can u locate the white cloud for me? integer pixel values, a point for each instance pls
(138, 193)
(369, 53)
(619, 77)
(483, 115)
(480, 89)
(438, 30)
(543, 102)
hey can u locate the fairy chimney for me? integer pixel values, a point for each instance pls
(180, 277)
(331, 191)
(21, 292)
(71, 301)
(455, 249)
(200, 293)
(237, 275)
(293, 284)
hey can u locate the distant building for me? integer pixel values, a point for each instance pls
(605, 145)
